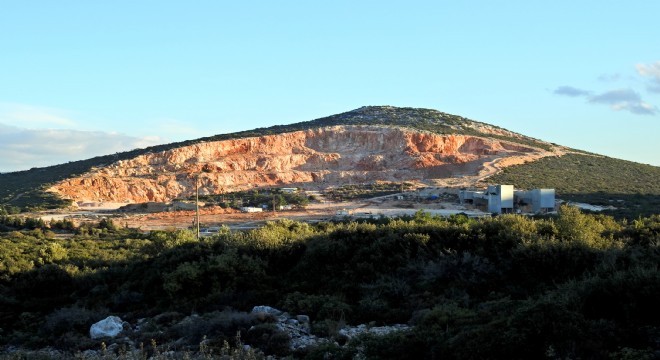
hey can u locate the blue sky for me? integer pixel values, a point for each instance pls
(86, 78)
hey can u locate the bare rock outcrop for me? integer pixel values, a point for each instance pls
(316, 156)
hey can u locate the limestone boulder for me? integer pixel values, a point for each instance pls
(108, 327)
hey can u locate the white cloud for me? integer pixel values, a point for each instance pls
(23, 148)
(624, 99)
(651, 71)
(31, 116)
(621, 99)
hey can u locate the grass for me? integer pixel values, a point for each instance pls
(631, 187)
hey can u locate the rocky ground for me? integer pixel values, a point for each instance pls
(316, 157)
(275, 331)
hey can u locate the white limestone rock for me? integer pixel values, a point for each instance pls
(267, 310)
(108, 327)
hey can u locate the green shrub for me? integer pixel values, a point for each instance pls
(270, 339)
(316, 306)
(217, 327)
(68, 319)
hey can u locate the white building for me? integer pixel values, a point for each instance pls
(501, 198)
(541, 200)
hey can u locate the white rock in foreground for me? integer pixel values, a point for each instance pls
(108, 327)
(266, 309)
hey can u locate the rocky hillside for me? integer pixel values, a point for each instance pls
(366, 144)
(322, 156)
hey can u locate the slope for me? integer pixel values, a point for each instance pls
(27, 189)
(320, 157)
(362, 145)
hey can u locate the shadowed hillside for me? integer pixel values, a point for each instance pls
(574, 285)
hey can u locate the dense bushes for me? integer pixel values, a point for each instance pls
(357, 191)
(258, 198)
(570, 286)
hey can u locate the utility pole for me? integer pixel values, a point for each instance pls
(197, 204)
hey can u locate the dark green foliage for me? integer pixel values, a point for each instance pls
(570, 286)
(394, 346)
(317, 306)
(330, 351)
(357, 191)
(69, 319)
(20, 223)
(270, 339)
(217, 326)
(258, 198)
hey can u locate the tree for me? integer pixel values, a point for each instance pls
(574, 226)
(278, 200)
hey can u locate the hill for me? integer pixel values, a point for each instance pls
(363, 145)
(28, 189)
(570, 285)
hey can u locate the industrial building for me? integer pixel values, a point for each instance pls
(541, 200)
(500, 199)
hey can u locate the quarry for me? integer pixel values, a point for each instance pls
(157, 189)
(314, 159)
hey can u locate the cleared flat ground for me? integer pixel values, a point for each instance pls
(388, 206)
(384, 206)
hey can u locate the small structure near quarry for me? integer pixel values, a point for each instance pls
(500, 199)
(541, 200)
(497, 198)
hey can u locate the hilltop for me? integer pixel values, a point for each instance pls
(373, 143)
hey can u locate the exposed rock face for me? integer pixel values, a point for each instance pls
(324, 155)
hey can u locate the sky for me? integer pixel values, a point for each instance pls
(85, 78)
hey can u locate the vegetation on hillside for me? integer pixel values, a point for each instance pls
(633, 188)
(367, 190)
(262, 198)
(571, 286)
(26, 189)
